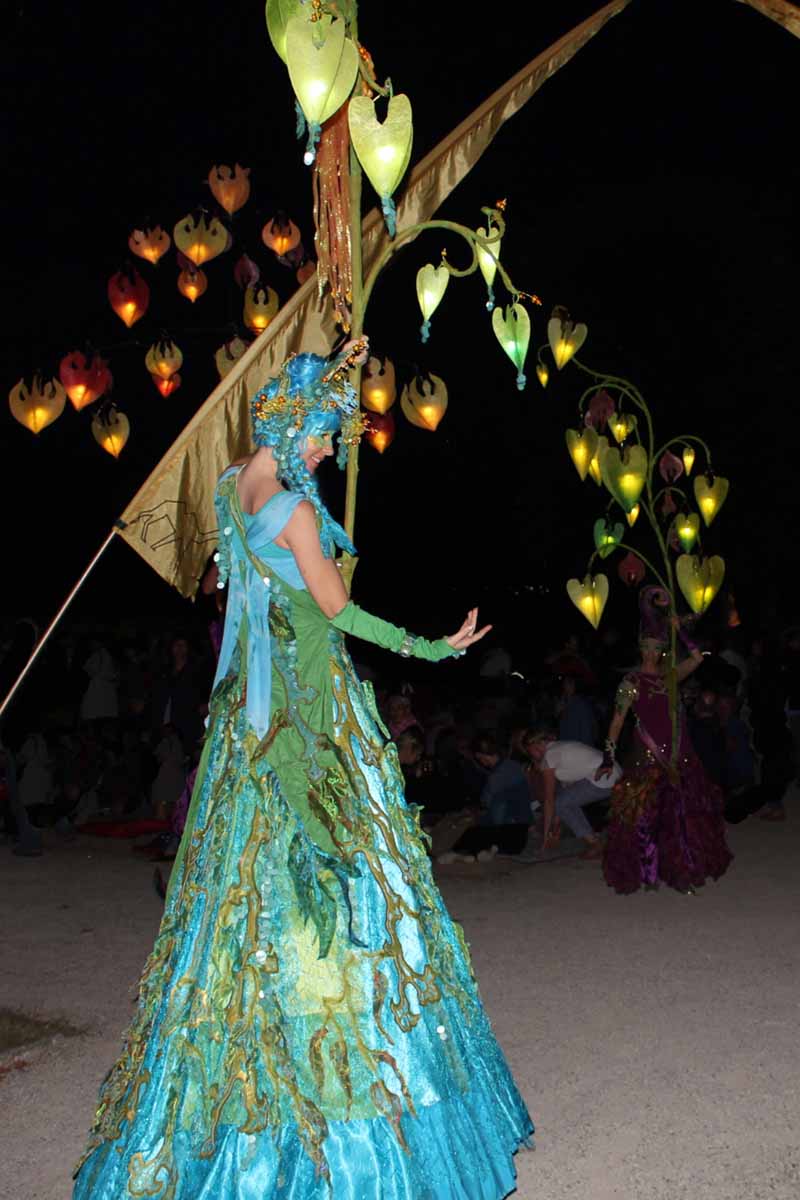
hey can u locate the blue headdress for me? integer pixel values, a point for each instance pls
(310, 397)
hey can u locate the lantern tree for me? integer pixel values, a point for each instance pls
(639, 479)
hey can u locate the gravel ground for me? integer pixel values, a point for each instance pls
(654, 1036)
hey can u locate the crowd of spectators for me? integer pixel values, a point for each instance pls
(109, 731)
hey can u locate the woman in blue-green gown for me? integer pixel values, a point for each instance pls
(308, 1025)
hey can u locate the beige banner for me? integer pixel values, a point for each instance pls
(781, 11)
(170, 520)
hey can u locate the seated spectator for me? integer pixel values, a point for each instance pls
(569, 784)
(506, 797)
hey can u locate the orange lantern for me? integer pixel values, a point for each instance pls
(260, 306)
(199, 240)
(150, 244)
(424, 402)
(39, 405)
(84, 382)
(111, 430)
(228, 355)
(378, 390)
(230, 188)
(163, 359)
(128, 295)
(166, 386)
(192, 282)
(281, 235)
(380, 432)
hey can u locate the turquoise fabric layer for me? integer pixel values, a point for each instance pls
(308, 1025)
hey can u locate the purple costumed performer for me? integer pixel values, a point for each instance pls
(666, 818)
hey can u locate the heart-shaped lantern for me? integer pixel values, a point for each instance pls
(230, 188)
(323, 65)
(84, 382)
(39, 405)
(260, 306)
(600, 410)
(670, 467)
(431, 286)
(589, 597)
(624, 473)
(594, 465)
(200, 240)
(607, 537)
(633, 516)
(699, 579)
(163, 359)
(512, 329)
(542, 374)
(631, 570)
(488, 258)
(424, 402)
(192, 282)
(150, 244)
(687, 527)
(622, 426)
(582, 447)
(129, 296)
(228, 355)
(688, 457)
(381, 430)
(565, 337)
(111, 430)
(710, 493)
(383, 149)
(378, 387)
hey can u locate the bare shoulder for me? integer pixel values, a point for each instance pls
(303, 522)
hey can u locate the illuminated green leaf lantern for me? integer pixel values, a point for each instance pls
(624, 474)
(686, 530)
(431, 286)
(512, 329)
(488, 258)
(323, 65)
(384, 149)
(278, 14)
(607, 537)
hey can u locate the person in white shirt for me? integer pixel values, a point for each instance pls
(570, 781)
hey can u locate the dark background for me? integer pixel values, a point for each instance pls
(652, 187)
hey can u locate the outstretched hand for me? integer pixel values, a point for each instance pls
(469, 633)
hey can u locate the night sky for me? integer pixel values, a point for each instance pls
(652, 188)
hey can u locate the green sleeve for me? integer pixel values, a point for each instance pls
(355, 621)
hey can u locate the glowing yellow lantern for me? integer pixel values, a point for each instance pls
(582, 447)
(512, 329)
(589, 596)
(323, 65)
(622, 426)
(565, 337)
(230, 188)
(699, 579)
(163, 359)
(632, 516)
(624, 473)
(37, 406)
(594, 465)
(488, 258)
(228, 355)
(378, 387)
(129, 296)
(200, 240)
(384, 149)
(84, 382)
(111, 430)
(688, 457)
(281, 235)
(381, 430)
(166, 386)
(192, 282)
(431, 286)
(687, 528)
(710, 492)
(542, 374)
(260, 306)
(150, 244)
(424, 402)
